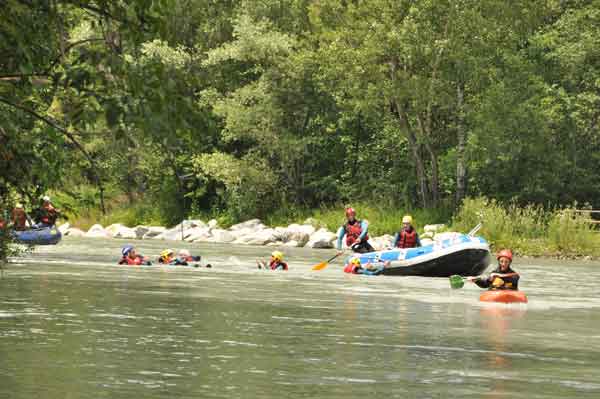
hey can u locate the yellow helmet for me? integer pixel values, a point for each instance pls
(277, 255)
(166, 253)
(355, 261)
(407, 219)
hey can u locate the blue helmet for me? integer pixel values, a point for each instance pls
(126, 249)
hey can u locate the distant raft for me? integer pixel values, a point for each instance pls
(503, 296)
(455, 254)
(41, 236)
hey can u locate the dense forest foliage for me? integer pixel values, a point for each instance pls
(244, 107)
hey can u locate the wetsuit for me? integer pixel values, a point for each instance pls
(500, 283)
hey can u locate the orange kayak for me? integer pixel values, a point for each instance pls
(503, 296)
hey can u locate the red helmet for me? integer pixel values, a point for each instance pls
(350, 212)
(505, 253)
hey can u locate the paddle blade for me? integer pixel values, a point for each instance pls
(320, 266)
(456, 281)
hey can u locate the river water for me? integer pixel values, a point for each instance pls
(75, 325)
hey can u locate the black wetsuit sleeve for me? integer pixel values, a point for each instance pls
(483, 283)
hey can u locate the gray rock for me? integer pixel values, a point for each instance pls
(196, 233)
(64, 227)
(125, 232)
(299, 233)
(322, 238)
(220, 235)
(253, 224)
(293, 243)
(174, 234)
(154, 231)
(261, 237)
(140, 231)
(74, 232)
(97, 231)
(213, 224)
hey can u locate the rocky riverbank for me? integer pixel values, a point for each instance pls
(251, 232)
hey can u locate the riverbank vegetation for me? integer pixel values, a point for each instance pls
(154, 111)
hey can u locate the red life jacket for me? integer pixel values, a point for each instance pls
(350, 268)
(48, 214)
(408, 239)
(353, 231)
(138, 260)
(274, 265)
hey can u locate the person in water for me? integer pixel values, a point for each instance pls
(47, 214)
(183, 258)
(354, 266)
(356, 232)
(166, 257)
(503, 277)
(132, 258)
(408, 236)
(275, 263)
(18, 218)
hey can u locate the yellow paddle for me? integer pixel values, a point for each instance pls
(323, 265)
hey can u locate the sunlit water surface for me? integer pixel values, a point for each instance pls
(75, 325)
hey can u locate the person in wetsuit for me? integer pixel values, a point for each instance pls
(501, 278)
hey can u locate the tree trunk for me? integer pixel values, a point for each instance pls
(414, 149)
(461, 167)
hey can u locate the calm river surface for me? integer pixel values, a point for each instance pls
(75, 325)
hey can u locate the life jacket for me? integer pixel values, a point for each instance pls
(273, 265)
(408, 239)
(351, 268)
(504, 283)
(48, 214)
(353, 231)
(126, 260)
(19, 219)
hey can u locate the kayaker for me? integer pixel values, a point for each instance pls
(18, 218)
(408, 236)
(275, 263)
(354, 266)
(356, 232)
(130, 257)
(47, 214)
(503, 277)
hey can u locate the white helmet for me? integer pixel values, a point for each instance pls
(184, 252)
(45, 198)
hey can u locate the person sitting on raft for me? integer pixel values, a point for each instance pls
(503, 277)
(356, 232)
(19, 218)
(130, 257)
(275, 263)
(354, 266)
(408, 236)
(47, 214)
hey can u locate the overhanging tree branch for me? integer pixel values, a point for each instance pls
(70, 137)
